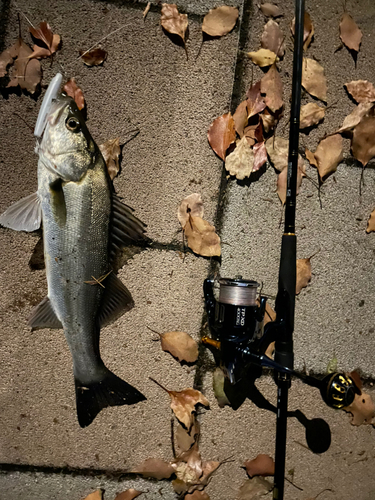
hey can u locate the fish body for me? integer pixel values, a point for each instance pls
(84, 224)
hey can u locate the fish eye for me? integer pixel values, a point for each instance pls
(72, 124)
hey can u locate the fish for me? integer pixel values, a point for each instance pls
(84, 224)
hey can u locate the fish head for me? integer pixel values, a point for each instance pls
(67, 148)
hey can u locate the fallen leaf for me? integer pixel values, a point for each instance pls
(181, 345)
(26, 72)
(363, 142)
(272, 87)
(96, 495)
(270, 314)
(313, 79)
(371, 223)
(249, 133)
(71, 89)
(191, 205)
(5, 60)
(268, 120)
(128, 494)
(270, 10)
(332, 365)
(278, 150)
(173, 22)
(311, 114)
(308, 30)
(147, 8)
(311, 158)
(262, 465)
(179, 486)
(188, 466)
(111, 153)
(240, 118)
(218, 380)
(154, 467)
(50, 41)
(361, 90)
(255, 101)
(240, 162)
(254, 488)
(220, 21)
(328, 155)
(94, 57)
(263, 57)
(303, 274)
(185, 439)
(282, 180)
(355, 376)
(260, 155)
(208, 468)
(350, 34)
(354, 117)
(270, 351)
(273, 39)
(201, 237)
(197, 495)
(221, 134)
(362, 409)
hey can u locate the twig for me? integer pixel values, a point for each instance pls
(101, 40)
(289, 481)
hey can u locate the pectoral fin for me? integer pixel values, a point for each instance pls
(116, 300)
(24, 215)
(43, 316)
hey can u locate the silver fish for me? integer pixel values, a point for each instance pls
(84, 224)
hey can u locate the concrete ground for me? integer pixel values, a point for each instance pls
(146, 82)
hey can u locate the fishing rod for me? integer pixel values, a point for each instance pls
(235, 319)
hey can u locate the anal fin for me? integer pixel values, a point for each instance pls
(116, 300)
(43, 316)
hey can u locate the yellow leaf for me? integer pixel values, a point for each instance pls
(220, 21)
(263, 57)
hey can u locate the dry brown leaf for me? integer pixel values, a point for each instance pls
(355, 117)
(313, 79)
(361, 90)
(71, 89)
(303, 274)
(173, 22)
(94, 57)
(272, 87)
(5, 59)
(282, 180)
(146, 11)
(311, 158)
(311, 114)
(240, 118)
(240, 162)
(328, 155)
(355, 376)
(308, 30)
(185, 439)
(96, 495)
(263, 57)
(278, 149)
(179, 486)
(350, 34)
(197, 495)
(260, 155)
(154, 467)
(255, 101)
(128, 494)
(262, 465)
(270, 314)
(26, 72)
(363, 142)
(220, 21)
(181, 345)
(249, 133)
(218, 380)
(191, 205)
(111, 153)
(208, 468)
(270, 10)
(188, 466)
(254, 488)
(201, 237)
(221, 134)
(371, 223)
(50, 41)
(362, 409)
(270, 351)
(273, 38)
(268, 120)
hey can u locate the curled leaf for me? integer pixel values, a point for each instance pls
(111, 153)
(263, 57)
(371, 223)
(129, 494)
(221, 134)
(311, 158)
(96, 495)
(201, 237)
(45, 36)
(255, 101)
(272, 87)
(362, 409)
(311, 114)
(181, 345)
(183, 404)
(240, 162)
(154, 467)
(191, 205)
(71, 89)
(313, 79)
(254, 488)
(188, 466)
(363, 142)
(308, 30)
(328, 155)
(220, 21)
(172, 21)
(355, 117)
(218, 380)
(262, 465)
(273, 38)
(361, 90)
(270, 10)
(185, 439)
(350, 34)
(303, 274)
(94, 57)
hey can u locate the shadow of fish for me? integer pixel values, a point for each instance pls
(84, 225)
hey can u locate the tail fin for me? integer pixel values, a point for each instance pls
(111, 391)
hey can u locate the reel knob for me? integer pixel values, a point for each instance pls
(338, 390)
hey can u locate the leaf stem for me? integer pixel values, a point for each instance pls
(159, 384)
